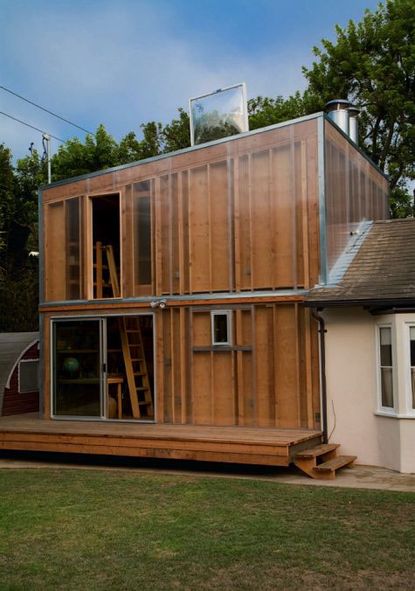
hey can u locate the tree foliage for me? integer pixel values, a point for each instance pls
(18, 236)
(372, 63)
(265, 111)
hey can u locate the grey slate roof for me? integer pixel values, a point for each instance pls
(12, 345)
(383, 270)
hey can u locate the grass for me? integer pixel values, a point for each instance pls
(101, 529)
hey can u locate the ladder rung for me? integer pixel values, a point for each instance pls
(144, 402)
(141, 389)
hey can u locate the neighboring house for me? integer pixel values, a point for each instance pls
(173, 296)
(369, 318)
(19, 373)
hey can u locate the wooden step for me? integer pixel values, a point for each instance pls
(322, 461)
(335, 464)
(318, 450)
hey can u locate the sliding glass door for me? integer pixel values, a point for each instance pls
(104, 368)
(78, 365)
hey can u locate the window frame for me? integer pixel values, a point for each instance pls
(213, 315)
(19, 389)
(409, 395)
(381, 409)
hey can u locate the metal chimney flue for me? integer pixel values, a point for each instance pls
(338, 111)
(354, 124)
(346, 116)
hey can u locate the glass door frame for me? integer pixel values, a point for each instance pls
(102, 364)
(103, 360)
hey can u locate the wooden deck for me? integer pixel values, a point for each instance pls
(273, 447)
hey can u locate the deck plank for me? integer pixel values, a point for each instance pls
(196, 442)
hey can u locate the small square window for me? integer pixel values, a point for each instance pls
(28, 376)
(221, 328)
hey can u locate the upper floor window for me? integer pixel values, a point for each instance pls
(142, 193)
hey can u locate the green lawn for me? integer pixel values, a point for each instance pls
(119, 529)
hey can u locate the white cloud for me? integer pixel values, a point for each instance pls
(124, 64)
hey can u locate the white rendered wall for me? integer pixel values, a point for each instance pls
(351, 372)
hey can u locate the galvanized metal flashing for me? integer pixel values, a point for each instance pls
(352, 248)
(207, 297)
(321, 160)
(183, 151)
(41, 292)
(40, 246)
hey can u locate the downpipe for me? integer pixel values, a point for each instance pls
(322, 332)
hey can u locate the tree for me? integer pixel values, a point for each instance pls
(6, 198)
(265, 111)
(176, 134)
(75, 158)
(131, 149)
(372, 63)
(18, 232)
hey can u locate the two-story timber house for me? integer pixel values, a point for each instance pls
(172, 296)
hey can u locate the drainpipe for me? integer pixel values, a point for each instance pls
(322, 331)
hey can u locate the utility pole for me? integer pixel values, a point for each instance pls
(48, 150)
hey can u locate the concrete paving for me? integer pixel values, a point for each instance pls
(358, 476)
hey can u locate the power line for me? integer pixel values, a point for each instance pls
(32, 126)
(44, 109)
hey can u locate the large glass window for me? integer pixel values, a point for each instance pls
(142, 233)
(73, 250)
(386, 366)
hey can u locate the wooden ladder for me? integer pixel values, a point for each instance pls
(131, 339)
(111, 282)
(321, 461)
(136, 368)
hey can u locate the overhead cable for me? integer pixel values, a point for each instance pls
(32, 126)
(44, 109)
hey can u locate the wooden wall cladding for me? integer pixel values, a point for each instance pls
(247, 222)
(268, 377)
(355, 191)
(240, 215)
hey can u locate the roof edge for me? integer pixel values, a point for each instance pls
(319, 114)
(367, 302)
(25, 350)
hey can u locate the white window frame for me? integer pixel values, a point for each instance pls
(20, 391)
(386, 410)
(228, 314)
(409, 410)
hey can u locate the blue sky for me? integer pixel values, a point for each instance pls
(126, 62)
